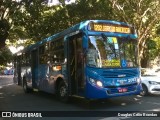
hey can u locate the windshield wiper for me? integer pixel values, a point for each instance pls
(111, 46)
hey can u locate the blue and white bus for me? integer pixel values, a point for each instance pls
(95, 59)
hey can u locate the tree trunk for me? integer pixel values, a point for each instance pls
(145, 58)
(144, 63)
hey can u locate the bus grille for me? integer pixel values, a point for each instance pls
(122, 85)
(115, 74)
(115, 90)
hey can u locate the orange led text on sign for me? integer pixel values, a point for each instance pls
(109, 28)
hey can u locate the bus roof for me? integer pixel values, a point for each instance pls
(78, 27)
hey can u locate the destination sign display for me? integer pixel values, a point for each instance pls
(110, 28)
(111, 63)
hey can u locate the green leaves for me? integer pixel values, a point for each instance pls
(34, 20)
(5, 56)
(143, 14)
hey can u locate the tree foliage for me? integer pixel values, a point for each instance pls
(40, 20)
(5, 56)
(143, 14)
(33, 20)
(6, 10)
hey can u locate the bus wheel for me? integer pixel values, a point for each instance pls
(144, 91)
(62, 92)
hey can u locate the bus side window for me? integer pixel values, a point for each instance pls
(44, 54)
(41, 54)
(61, 56)
(27, 57)
(23, 59)
(57, 51)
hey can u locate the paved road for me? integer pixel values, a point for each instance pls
(12, 98)
(6, 80)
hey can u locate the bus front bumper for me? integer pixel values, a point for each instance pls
(95, 92)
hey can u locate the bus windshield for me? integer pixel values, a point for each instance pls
(111, 52)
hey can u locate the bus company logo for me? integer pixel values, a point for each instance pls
(122, 81)
(6, 114)
(123, 75)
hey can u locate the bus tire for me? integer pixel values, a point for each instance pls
(144, 91)
(25, 87)
(62, 92)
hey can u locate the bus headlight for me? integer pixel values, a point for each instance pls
(96, 82)
(99, 83)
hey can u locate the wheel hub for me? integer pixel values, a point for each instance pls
(63, 91)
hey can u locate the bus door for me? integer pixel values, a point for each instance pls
(75, 65)
(34, 66)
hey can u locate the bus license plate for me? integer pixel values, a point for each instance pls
(122, 90)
